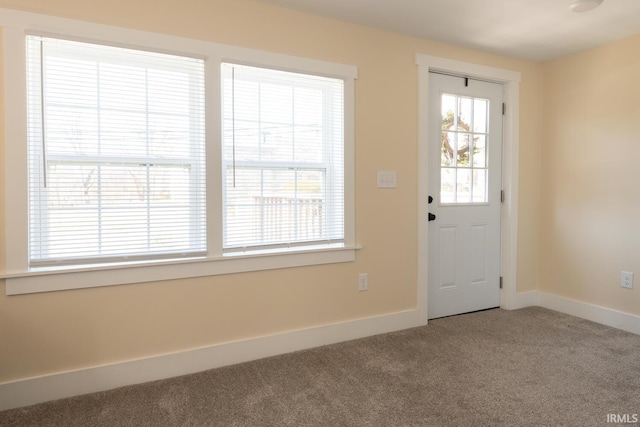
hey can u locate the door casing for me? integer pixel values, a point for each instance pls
(510, 81)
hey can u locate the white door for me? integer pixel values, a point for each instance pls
(465, 150)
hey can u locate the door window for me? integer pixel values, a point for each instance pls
(464, 162)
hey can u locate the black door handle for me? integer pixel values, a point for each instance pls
(431, 216)
(430, 199)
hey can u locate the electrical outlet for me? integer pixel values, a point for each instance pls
(363, 282)
(626, 279)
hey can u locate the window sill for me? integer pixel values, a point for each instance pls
(56, 279)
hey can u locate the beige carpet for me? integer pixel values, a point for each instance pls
(530, 367)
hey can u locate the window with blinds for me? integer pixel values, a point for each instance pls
(283, 158)
(116, 149)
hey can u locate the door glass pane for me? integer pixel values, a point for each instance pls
(479, 151)
(465, 116)
(464, 186)
(448, 144)
(463, 149)
(480, 115)
(464, 154)
(448, 109)
(448, 184)
(479, 185)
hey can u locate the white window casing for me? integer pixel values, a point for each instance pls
(205, 253)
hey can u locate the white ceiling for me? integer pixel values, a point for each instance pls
(537, 30)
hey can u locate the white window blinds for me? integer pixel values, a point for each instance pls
(283, 158)
(116, 154)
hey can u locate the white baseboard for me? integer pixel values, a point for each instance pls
(606, 316)
(65, 384)
(72, 383)
(524, 299)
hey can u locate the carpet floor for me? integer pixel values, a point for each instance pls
(529, 367)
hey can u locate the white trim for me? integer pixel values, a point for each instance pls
(423, 191)
(510, 180)
(467, 69)
(510, 170)
(90, 277)
(605, 316)
(349, 163)
(91, 32)
(15, 125)
(44, 388)
(20, 280)
(524, 299)
(72, 383)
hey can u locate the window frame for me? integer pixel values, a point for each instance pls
(38, 197)
(326, 166)
(21, 280)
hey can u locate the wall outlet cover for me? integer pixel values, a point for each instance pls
(626, 279)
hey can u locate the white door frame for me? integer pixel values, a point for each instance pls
(510, 148)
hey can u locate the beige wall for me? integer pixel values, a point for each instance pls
(590, 209)
(45, 333)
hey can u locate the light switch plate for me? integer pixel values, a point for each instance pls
(387, 179)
